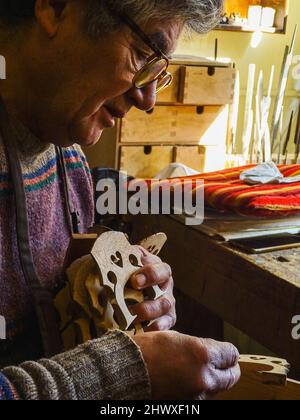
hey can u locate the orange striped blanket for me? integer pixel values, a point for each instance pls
(225, 191)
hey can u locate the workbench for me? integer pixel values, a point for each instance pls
(257, 294)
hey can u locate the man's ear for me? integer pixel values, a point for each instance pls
(49, 14)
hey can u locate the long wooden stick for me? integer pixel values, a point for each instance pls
(265, 118)
(235, 113)
(297, 134)
(248, 121)
(297, 149)
(286, 65)
(259, 116)
(279, 100)
(280, 136)
(289, 132)
(288, 137)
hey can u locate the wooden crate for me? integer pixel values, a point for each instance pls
(145, 162)
(177, 124)
(207, 85)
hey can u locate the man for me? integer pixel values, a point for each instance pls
(73, 66)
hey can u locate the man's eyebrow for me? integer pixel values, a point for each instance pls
(161, 42)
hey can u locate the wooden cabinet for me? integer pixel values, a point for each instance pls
(188, 125)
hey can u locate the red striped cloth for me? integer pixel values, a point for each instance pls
(223, 190)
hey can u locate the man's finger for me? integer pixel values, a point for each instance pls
(151, 275)
(214, 380)
(151, 310)
(222, 355)
(165, 323)
(148, 258)
(228, 378)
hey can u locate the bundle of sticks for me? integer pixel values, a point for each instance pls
(262, 141)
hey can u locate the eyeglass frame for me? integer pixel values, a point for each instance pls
(158, 54)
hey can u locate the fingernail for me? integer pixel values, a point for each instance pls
(140, 280)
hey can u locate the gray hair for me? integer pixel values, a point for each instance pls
(197, 15)
(200, 16)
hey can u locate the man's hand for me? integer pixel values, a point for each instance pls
(184, 367)
(161, 312)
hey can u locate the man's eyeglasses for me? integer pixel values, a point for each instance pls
(155, 70)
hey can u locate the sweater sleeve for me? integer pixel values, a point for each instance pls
(110, 368)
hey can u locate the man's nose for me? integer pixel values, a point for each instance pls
(144, 98)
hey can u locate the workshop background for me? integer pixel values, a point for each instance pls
(243, 48)
(236, 48)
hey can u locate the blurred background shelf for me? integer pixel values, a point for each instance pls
(241, 7)
(246, 28)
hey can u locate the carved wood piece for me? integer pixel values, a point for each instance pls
(263, 378)
(268, 370)
(117, 261)
(97, 296)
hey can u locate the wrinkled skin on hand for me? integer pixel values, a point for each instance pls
(161, 313)
(184, 367)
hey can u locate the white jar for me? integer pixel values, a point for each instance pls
(254, 15)
(268, 17)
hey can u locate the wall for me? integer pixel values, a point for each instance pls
(237, 47)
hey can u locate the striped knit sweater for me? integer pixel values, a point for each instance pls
(89, 372)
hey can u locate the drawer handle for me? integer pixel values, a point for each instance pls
(200, 110)
(211, 71)
(148, 150)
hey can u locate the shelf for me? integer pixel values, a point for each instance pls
(249, 29)
(240, 8)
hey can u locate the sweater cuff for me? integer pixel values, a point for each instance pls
(111, 368)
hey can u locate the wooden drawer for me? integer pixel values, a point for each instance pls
(141, 127)
(171, 94)
(201, 158)
(207, 85)
(145, 162)
(176, 124)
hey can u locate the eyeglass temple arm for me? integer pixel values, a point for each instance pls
(135, 28)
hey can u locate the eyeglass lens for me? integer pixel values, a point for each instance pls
(151, 72)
